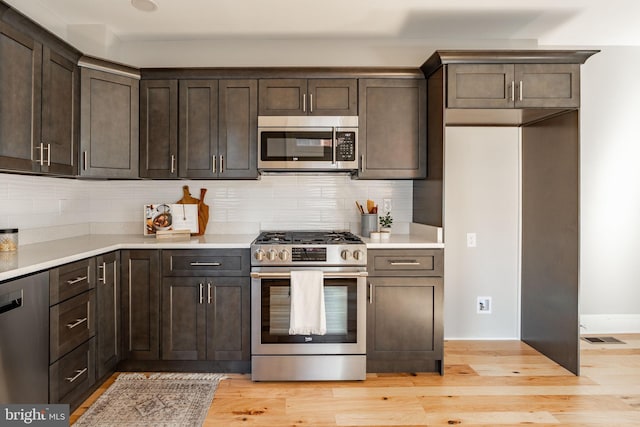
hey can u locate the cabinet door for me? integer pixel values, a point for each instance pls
(404, 319)
(159, 128)
(108, 125)
(480, 86)
(60, 113)
(238, 119)
(333, 97)
(140, 272)
(282, 97)
(184, 302)
(198, 120)
(108, 307)
(392, 128)
(547, 85)
(20, 91)
(228, 319)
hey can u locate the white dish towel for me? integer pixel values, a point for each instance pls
(307, 304)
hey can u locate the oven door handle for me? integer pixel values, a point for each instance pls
(332, 274)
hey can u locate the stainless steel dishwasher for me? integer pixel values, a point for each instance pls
(24, 340)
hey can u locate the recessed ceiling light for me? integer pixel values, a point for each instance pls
(144, 5)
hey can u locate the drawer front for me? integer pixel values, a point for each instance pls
(401, 262)
(70, 280)
(206, 262)
(73, 375)
(71, 323)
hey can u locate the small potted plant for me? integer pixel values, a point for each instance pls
(385, 225)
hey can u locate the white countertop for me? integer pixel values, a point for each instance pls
(42, 256)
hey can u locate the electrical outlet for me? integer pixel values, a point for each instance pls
(484, 305)
(471, 240)
(386, 205)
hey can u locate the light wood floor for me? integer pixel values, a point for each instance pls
(486, 383)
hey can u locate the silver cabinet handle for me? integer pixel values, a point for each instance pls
(304, 102)
(221, 163)
(205, 264)
(362, 163)
(173, 164)
(48, 154)
(77, 280)
(214, 159)
(404, 262)
(78, 322)
(520, 90)
(201, 293)
(513, 90)
(311, 103)
(79, 372)
(102, 267)
(41, 148)
(370, 293)
(208, 293)
(84, 160)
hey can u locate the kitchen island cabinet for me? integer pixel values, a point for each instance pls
(392, 128)
(313, 97)
(404, 314)
(108, 121)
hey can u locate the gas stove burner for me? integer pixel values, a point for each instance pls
(308, 238)
(273, 238)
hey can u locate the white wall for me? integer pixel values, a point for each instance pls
(610, 192)
(481, 192)
(46, 208)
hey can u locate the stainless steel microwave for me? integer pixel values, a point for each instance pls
(308, 143)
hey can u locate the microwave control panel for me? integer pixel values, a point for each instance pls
(345, 146)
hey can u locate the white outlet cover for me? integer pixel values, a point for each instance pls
(484, 305)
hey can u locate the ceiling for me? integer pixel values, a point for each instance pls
(212, 33)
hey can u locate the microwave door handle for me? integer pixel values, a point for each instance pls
(334, 146)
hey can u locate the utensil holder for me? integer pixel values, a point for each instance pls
(368, 223)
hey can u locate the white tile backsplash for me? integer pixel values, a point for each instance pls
(45, 208)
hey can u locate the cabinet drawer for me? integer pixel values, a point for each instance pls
(400, 262)
(205, 262)
(70, 280)
(72, 375)
(71, 323)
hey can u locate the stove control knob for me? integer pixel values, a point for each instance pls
(345, 255)
(272, 255)
(259, 255)
(284, 255)
(358, 255)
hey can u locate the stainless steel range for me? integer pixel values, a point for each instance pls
(340, 353)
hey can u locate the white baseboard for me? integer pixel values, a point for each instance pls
(609, 324)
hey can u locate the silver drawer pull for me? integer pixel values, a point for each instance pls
(209, 293)
(205, 264)
(76, 323)
(79, 372)
(404, 262)
(77, 280)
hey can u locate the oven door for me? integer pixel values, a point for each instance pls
(295, 148)
(345, 305)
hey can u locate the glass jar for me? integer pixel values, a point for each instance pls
(8, 239)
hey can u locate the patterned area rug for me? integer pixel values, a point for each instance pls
(160, 400)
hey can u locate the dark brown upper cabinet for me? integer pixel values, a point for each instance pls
(392, 128)
(301, 97)
(38, 106)
(218, 129)
(159, 129)
(513, 86)
(109, 124)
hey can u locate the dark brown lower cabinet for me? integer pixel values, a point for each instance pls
(140, 272)
(108, 313)
(404, 312)
(205, 318)
(72, 377)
